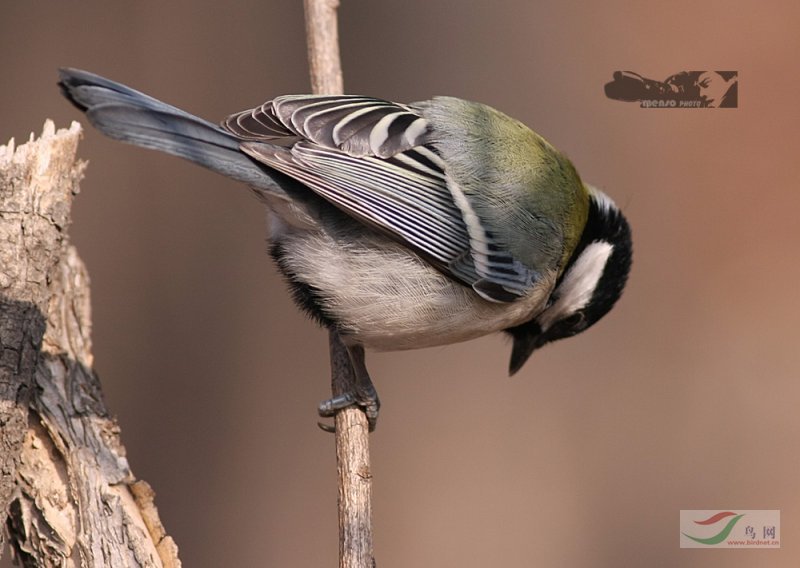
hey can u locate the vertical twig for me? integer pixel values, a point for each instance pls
(352, 432)
(322, 37)
(352, 464)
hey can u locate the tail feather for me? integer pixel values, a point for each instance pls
(86, 90)
(133, 117)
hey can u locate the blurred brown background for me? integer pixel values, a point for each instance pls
(685, 397)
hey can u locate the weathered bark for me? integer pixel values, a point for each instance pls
(68, 491)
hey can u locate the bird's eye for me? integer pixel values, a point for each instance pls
(577, 320)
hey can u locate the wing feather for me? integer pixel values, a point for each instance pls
(371, 158)
(359, 126)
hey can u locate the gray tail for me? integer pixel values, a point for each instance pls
(133, 117)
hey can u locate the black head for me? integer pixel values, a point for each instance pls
(589, 286)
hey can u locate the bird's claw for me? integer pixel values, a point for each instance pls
(367, 401)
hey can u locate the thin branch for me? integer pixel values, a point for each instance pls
(353, 467)
(352, 430)
(322, 37)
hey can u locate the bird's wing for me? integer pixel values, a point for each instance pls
(356, 125)
(371, 159)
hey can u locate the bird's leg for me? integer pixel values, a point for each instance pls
(366, 394)
(358, 391)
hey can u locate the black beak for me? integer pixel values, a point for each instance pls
(527, 339)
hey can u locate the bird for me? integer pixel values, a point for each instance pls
(401, 226)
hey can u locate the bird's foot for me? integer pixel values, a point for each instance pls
(351, 382)
(364, 398)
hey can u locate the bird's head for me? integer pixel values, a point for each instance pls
(588, 287)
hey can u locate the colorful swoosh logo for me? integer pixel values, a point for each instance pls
(714, 518)
(721, 535)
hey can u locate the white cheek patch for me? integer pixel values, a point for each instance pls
(578, 285)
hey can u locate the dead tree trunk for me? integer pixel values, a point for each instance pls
(66, 487)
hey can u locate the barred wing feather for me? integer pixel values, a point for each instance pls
(372, 159)
(357, 125)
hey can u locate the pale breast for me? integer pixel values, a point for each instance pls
(385, 297)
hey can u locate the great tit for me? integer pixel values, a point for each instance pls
(400, 226)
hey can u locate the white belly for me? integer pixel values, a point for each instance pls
(392, 299)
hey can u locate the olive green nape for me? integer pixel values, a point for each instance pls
(578, 213)
(517, 182)
(557, 192)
